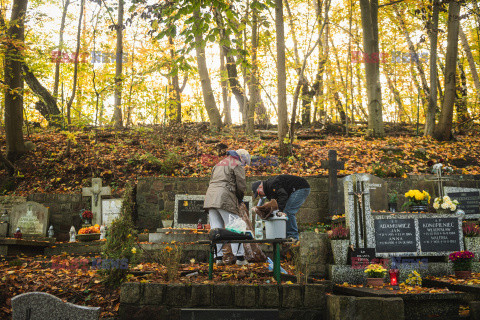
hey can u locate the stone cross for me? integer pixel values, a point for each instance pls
(332, 165)
(358, 213)
(96, 191)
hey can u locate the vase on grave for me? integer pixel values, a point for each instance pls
(340, 251)
(375, 282)
(472, 244)
(418, 208)
(167, 223)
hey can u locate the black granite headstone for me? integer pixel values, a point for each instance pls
(468, 201)
(191, 211)
(439, 234)
(395, 235)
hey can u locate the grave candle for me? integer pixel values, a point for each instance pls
(394, 274)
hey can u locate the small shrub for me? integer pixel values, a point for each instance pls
(121, 240)
(170, 257)
(339, 232)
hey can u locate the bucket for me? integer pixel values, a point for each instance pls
(276, 228)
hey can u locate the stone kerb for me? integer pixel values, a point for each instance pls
(144, 298)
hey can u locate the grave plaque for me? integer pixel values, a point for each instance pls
(110, 210)
(468, 198)
(413, 234)
(189, 209)
(228, 314)
(439, 234)
(41, 305)
(378, 191)
(395, 235)
(31, 217)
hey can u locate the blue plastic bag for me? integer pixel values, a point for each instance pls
(270, 266)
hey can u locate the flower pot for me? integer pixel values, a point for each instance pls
(444, 211)
(472, 244)
(88, 237)
(418, 208)
(375, 282)
(167, 223)
(340, 251)
(464, 274)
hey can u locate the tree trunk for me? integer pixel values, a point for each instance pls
(13, 80)
(253, 83)
(47, 106)
(443, 131)
(235, 85)
(75, 67)
(60, 47)
(413, 54)
(281, 79)
(208, 97)
(117, 112)
(396, 95)
(369, 13)
(174, 98)
(224, 83)
(461, 101)
(432, 98)
(471, 61)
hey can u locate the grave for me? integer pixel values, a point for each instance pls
(32, 218)
(468, 198)
(41, 305)
(358, 215)
(96, 191)
(416, 306)
(110, 210)
(189, 210)
(377, 190)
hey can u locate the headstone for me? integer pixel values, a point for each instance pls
(237, 314)
(3, 229)
(378, 191)
(96, 191)
(358, 215)
(189, 209)
(333, 166)
(110, 210)
(413, 234)
(468, 198)
(41, 305)
(31, 217)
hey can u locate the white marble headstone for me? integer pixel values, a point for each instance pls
(110, 210)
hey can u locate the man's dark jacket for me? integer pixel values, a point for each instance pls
(282, 186)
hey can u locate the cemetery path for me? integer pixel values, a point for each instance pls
(190, 150)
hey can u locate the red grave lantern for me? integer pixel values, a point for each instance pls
(394, 275)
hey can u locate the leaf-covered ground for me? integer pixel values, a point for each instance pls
(72, 280)
(63, 162)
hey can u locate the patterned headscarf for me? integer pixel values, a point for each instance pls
(244, 156)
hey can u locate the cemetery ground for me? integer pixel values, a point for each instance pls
(167, 268)
(62, 161)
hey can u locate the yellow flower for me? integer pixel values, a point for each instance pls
(168, 249)
(134, 250)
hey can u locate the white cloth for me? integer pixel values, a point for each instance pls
(217, 220)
